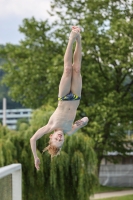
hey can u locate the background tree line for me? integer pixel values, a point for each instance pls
(4, 90)
(34, 67)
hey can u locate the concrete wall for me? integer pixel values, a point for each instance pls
(116, 175)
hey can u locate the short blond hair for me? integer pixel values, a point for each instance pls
(52, 150)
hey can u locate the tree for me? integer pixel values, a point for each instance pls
(68, 176)
(107, 68)
(4, 91)
(30, 70)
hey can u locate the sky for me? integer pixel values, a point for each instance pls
(12, 13)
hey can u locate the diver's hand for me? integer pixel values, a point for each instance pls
(37, 163)
(82, 122)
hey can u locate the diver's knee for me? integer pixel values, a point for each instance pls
(68, 70)
(76, 70)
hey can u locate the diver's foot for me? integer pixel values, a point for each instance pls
(77, 29)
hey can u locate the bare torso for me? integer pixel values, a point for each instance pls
(64, 115)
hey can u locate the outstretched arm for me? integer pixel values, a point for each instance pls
(78, 124)
(39, 133)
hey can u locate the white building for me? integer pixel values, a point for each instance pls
(11, 116)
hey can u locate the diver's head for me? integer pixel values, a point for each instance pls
(55, 143)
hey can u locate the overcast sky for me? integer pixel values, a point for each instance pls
(12, 12)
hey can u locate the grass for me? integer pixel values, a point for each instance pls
(128, 197)
(102, 189)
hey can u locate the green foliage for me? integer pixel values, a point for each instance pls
(7, 148)
(22, 124)
(70, 175)
(4, 90)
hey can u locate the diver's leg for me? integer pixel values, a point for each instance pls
(65, 83)
(76, 86)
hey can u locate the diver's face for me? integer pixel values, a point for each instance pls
(57, 138)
